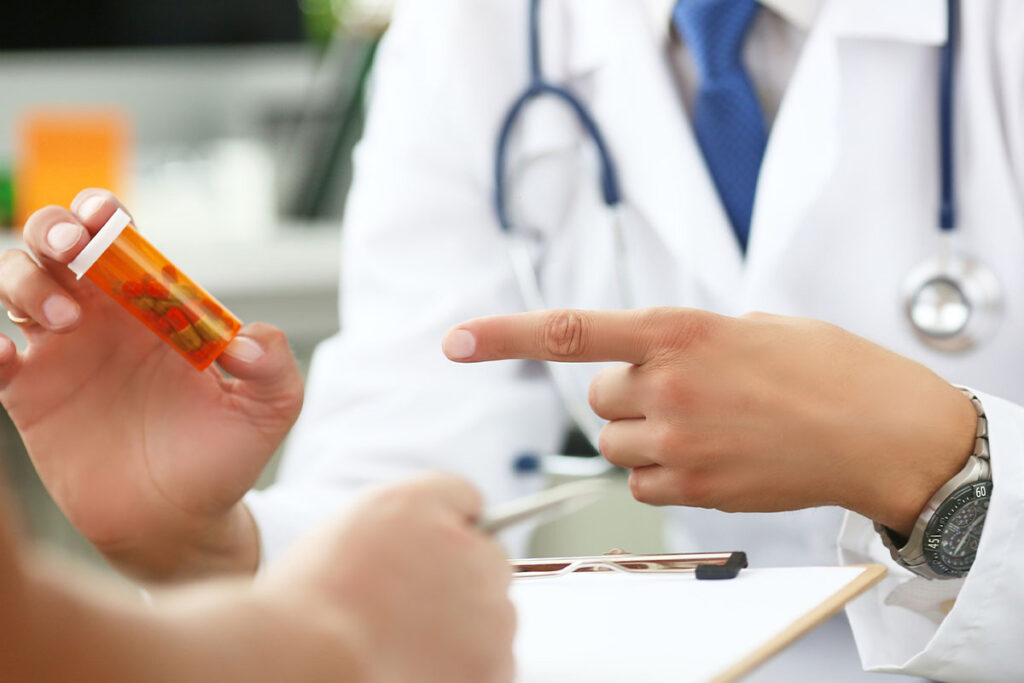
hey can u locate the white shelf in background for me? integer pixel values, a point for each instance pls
(294, 258)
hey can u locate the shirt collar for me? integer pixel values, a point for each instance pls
(917, 21)
(912, 21)
(800, 13)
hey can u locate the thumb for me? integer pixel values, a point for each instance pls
(448, 491)
(261, 360)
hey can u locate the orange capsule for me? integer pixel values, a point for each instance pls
(157, 290)
(127, 267)
(177, 320)
(132, 290)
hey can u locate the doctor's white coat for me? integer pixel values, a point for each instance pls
(846, 206)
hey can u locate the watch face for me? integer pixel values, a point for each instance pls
(951, 538)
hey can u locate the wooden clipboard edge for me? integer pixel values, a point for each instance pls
(872, 574)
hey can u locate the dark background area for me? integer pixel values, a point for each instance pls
(61, 24)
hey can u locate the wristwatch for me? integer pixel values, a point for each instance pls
(945, 538)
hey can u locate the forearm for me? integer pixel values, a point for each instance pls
(218, 632)
(199, 548)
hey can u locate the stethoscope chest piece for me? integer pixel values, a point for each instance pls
(952, 302)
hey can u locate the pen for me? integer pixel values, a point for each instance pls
(553, 502)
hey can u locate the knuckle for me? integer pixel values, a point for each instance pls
(47, 214)
(15, 266)
(666, 441)
(605, 444)
(456, 538)
(639, 487)
(388, 499)
(693, 489)
(413, 489)
(12, 256)
(672, 486)
(695, 327)
(595, 394)
(601, 394)
(652, 322)
(676, 330)
(668, 391)
(658, 315)
(396, 503)
(273, 334)
(269, 336)
(293, 398)
(825, 327)
(41, 221)
(442, 489)
(474, 496)
(564, 333)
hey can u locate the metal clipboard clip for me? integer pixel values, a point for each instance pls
(706, 566)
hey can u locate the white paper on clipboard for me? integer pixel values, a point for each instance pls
(614, 627)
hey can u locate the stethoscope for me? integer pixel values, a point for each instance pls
(520, 244)
(951, 301)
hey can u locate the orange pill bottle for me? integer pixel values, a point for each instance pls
(127, 267)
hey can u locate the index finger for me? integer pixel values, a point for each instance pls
(94, 207)
(57, 235)
(559, 335)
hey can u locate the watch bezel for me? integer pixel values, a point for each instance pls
(931, 542)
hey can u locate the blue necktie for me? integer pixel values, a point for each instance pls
(727, 120)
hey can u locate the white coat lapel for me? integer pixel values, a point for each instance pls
(805, 141)
(803, 147)
(636, 102)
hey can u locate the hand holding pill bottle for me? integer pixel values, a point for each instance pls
(148, 458)
(130, 269)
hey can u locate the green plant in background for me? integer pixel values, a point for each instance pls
(6, 199)
(322, 18)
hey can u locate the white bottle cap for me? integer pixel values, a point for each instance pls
(100, 243)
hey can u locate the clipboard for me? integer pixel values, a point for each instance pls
(655, 626)
(704, 566)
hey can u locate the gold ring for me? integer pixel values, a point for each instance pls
(17, 320)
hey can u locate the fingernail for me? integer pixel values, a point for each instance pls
(60, 311)
(459, 344)
(244, 349)
(63, 236)
(90, 207)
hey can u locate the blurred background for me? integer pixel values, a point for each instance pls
(227, 126)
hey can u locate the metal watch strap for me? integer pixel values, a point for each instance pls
(910, 552)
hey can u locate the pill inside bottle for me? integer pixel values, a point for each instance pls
(130, 269)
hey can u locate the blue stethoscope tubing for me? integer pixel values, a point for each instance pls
(539, 87)
(952, 301)
(947, 190)
(519, 247)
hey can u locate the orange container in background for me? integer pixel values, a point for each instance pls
(60, 151)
